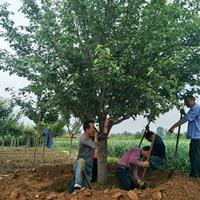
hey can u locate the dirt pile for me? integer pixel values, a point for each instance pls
(178, 188)
(49, 182)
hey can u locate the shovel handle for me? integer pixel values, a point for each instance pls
(146, 128)
(86, 179)
(148, 157)
(177, 142)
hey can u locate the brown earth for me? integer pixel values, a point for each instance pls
(21, 180)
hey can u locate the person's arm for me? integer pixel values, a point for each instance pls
(142, 163)
(134, 170)
(190, 116)
(88, 142)
(103, 135)
(95, 136)
(134, 160)
(177, 124)
(105, 127)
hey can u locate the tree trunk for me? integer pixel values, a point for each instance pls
(3, 142)
(70, 147)
(102, 152)
(14, 142)
(37, 137)
(11, 141)
(27, 142)
(18, 142)
(43, 152)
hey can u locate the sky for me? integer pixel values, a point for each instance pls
(13, 81)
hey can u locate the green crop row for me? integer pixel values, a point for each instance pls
(117, 146)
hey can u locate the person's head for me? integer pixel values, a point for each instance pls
(189, 100)
(88, 127)
(145, 151)
(149, 135)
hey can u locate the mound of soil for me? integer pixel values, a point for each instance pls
(50, 182)
(21, 180)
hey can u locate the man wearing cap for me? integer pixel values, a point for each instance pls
(193, 133)
(158, 154)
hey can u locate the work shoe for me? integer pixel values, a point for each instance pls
(77, 187)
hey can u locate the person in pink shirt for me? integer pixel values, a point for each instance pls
(127, 168)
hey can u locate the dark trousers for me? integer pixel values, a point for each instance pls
(156, 163)
(94, 170)
(194, 154)
(125, 179)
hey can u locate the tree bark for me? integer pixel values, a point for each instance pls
(11, 141)
(70, 147)
(37, 138)
(102, 153)
(2, 144)
(43, 151)
(18, 142)
(14, 142)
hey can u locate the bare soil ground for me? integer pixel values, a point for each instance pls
(20, 179)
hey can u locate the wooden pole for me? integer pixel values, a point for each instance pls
(146, 128)
(37, 137)
(175, 152)
(43, 152)
(148, 157)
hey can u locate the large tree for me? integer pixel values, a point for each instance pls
(93, 57)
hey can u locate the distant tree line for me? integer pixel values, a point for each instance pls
(14, 133)
(162, 132)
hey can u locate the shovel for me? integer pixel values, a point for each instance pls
(145, 169)
(175, 153)
(86, 179)
(146, 129)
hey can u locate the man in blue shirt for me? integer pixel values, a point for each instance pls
(193, 133)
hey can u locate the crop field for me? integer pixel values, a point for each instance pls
(118, 145)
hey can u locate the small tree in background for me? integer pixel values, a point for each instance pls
(9, 122)
(160, 131)
(73, 128)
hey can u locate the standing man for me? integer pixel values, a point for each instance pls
(193, 133)
(84, 161)
(83, 165)
(158, 154)
(127, 168)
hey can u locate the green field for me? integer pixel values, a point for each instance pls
(118, 145)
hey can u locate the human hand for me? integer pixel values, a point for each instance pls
(106, 123)
(145, 163)
(96, 136)
(140, 182)
(182, 111)
(107, 120)
(171, 130)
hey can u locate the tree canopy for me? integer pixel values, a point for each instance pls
(134, 57)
